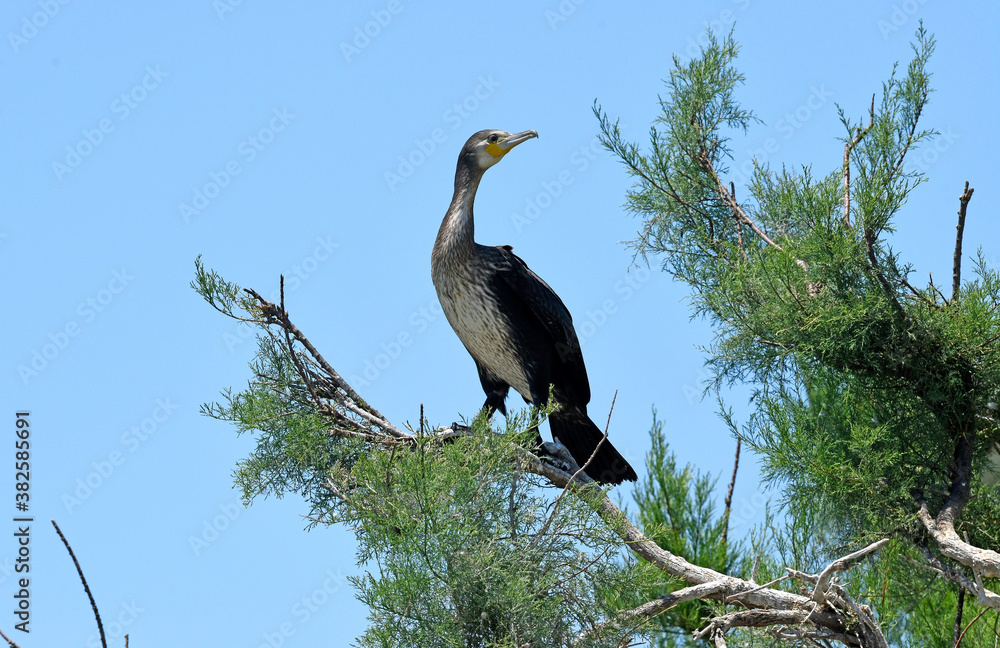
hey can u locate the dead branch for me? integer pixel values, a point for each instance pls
(729, 494)
(839, 621)
(842, 564)
(985, 561)
(706, 165)
(86, 587)
(833, 616)
(848, 147)
(657, 606)
(956, 272)
(984, 597)
(351, 400)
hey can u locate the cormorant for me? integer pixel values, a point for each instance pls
(516, 328)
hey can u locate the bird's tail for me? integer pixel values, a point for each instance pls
(580, 435)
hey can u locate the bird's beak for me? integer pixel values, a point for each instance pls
(503, 147)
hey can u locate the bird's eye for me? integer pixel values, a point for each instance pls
(494, 138)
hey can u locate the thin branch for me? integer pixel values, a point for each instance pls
(962, 636)
(958, 618)
(909, 137)
(729, 495)
(86, 588)
(984, 596)
(9, 642)
(739, 224)
(580, 471)
(706, 164)
(656, 606)
(750, 594)
(848, 147)
(277, 316)
(956, 272)
(842, 564)
(870, 239)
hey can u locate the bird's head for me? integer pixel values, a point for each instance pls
(487, 147)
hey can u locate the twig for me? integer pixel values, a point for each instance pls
(985, 598)
(956, 272)
(729, 495)
(841, 564)
(958, 617)
(760, 587)
(848, 147)
(962, 636)
(11, 643)
(656, 606)
(291, 349)
(280, 318)
(93, 603)
(572, 479)
(739, 224)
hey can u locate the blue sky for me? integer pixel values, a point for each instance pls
(319, 141)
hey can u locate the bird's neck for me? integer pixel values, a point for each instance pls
(456, 237)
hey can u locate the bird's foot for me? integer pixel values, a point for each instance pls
(557, 455)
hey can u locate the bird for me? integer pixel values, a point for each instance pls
(515, 327)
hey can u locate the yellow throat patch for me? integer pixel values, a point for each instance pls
(495, 150)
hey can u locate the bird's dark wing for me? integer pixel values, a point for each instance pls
(524, 287)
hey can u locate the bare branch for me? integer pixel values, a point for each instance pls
(984, 596)
(784, 606)
(985, 561)
(657, 606)
(86, 588)
(848, 147)
(278, 316)
(729, 494)
(956, 272)
(842, 564)
(9, 641)
(958, 634)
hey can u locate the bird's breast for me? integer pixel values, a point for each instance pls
(481, 323)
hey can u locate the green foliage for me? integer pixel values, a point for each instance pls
(460, 547)
(472, 553)
(866, 391)
(676, 509)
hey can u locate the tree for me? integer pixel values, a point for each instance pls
(874, 401)
(873, 408)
